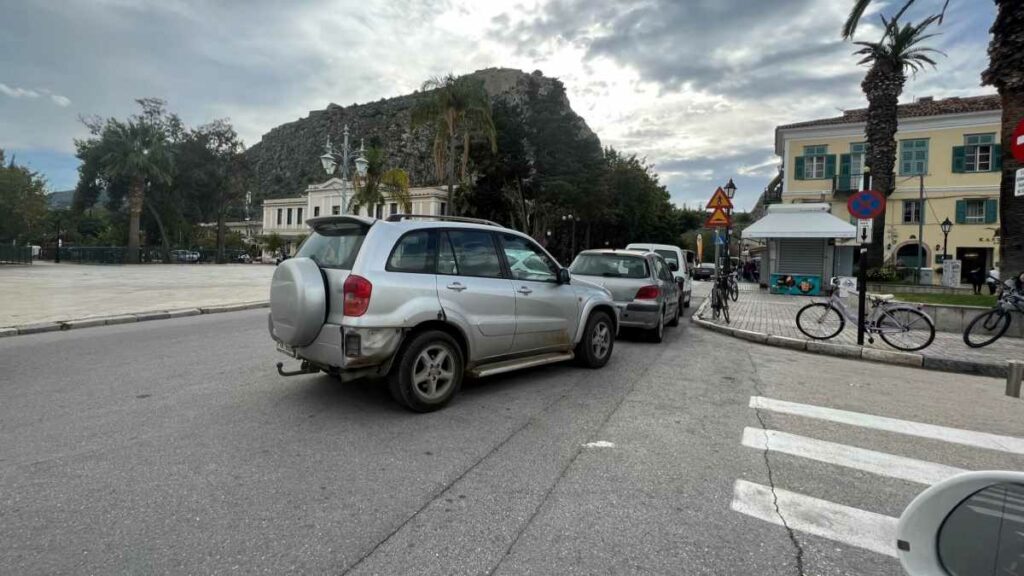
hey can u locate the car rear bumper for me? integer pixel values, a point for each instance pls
(348, 348)
(638, 314)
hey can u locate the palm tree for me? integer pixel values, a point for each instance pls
(137, 153)
(371, 189)
(1006, 73)
(898, 51)
(457, 108)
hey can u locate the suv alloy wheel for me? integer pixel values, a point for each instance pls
(595, 348)
(428, 373)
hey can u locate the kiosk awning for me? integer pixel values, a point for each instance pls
(800, 221)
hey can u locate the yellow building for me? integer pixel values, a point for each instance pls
(950, 145)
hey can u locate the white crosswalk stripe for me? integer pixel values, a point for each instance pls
(837, 522)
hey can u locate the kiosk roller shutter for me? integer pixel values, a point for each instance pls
(801, 256)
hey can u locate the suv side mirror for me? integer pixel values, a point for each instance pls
(563, 276)
(966, 524)
(673, 266)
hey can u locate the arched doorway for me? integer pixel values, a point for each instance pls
(907, 256)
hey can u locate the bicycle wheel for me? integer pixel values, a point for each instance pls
(906, 329)
(820, 321)
(987, 328)
(734, 291)
(716, 303)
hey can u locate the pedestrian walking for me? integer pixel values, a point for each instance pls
(976, 278)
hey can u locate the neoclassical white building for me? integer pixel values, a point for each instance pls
(287, 216)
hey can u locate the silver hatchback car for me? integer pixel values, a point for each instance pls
(641, 283)
(425, 300)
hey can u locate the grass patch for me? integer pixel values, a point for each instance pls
(951, 299)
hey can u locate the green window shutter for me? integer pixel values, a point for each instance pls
(798, 168)
(991, 210)
(844, 164)
(961, 211)
(830, 166)
(997, 158)
(959, 159)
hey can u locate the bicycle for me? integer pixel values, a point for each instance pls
(733, 286)
(719, 298)
(990, 326)
(900, 325)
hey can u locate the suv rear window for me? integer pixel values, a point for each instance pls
(414, 252)
(334, 244)
(610, 266)
(670, 256)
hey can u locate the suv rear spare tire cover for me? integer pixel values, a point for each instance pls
(298, 301)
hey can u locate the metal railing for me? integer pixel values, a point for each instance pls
(15, 254)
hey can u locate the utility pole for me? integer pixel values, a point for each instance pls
(920, 229)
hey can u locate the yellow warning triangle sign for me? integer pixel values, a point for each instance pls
(719, 200)
(717, 219)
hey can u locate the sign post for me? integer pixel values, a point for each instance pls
(865, 206)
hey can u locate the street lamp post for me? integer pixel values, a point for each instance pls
(946, 226)
(730, 191)
(573, 219)
(332, 160)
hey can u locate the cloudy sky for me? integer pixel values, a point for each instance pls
(696, 86)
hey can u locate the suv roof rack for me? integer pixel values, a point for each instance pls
(400, 217)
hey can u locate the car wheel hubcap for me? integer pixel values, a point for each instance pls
(433, 373)
(600, 340)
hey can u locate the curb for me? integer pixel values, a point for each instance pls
(78, 323)
(852, 351)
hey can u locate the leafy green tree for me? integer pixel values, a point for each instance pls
(898, 52)
(22, 203)
(455, 108)
(371, 189)
(273, 242)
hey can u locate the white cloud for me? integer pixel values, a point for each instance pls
(18, 92)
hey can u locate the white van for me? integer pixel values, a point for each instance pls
(677, 260)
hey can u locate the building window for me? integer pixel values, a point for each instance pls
(335, 210)
(298, 217)
(444, 209)
(974, 211)
(289, 222)
(279, 212)
(814, 162)
(911, 211)
(393, 208)
(914, 157)
(316, 211)
(380, 210)
(978, 152)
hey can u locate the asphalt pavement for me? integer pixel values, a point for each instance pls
(173, 447)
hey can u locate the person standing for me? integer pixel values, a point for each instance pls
(976, 278)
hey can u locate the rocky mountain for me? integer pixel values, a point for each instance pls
(286, 159)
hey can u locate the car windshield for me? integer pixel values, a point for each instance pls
(334, 244)
(669, 255)
(610, 266)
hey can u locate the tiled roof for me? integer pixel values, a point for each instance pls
(923, 107)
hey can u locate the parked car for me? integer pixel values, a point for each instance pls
(186, 256)
(676, 258)
(426, 302)
(243, 257)
(704, 271)
(641, 284)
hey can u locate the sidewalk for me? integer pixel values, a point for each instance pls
(759, 312)
(45, 292)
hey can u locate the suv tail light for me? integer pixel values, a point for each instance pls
(647, 293)
(356, 292)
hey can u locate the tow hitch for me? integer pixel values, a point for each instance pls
(304, 368)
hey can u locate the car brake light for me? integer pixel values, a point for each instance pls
(647, 293)
(356, 292)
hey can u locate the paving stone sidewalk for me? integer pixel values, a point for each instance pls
(47, 292)
(759, 311)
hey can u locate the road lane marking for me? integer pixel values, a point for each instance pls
(986, 440)
(599, 444)
(851, 526)
(871, 461)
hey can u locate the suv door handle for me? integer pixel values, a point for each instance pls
(456, 286)
(524, 290)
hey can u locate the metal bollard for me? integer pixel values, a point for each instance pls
(1014, 374)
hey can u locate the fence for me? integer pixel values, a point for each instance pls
(15, 254)
(147, 254)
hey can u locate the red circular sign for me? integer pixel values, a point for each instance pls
(1017, 142)
(866, 205)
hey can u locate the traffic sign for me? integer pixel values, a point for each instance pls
(1018, 189)
(1017, 142)
(717, 219)
(866, 204)
(864, 228)
(719, 200)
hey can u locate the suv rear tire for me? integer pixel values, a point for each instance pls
(428, 373)
(595, 349)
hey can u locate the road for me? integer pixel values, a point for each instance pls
(173, 447)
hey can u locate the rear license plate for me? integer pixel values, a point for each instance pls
(285, 349)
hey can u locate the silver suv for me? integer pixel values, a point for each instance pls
(425, 300)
